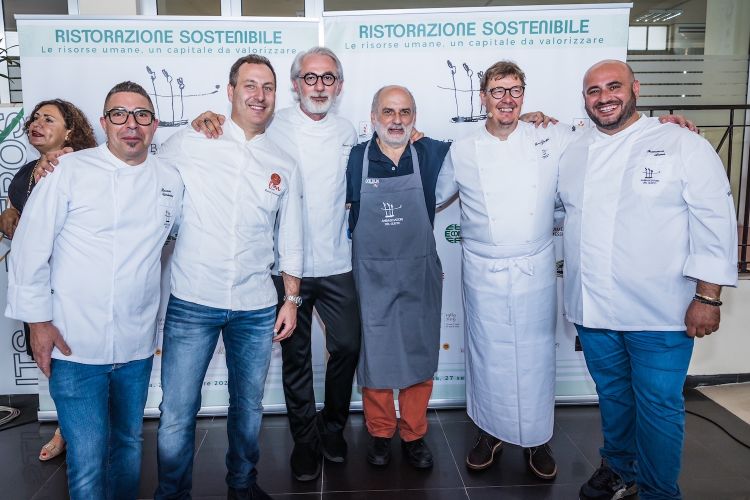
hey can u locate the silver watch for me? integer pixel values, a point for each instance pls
(294, 299)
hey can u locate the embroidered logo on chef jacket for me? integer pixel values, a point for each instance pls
(166, 203)
(390, 218)
(274, 184)
(653, 174)
(543, 152)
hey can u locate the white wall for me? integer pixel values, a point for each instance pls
(728, 350)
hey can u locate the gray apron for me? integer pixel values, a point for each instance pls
(399, 281)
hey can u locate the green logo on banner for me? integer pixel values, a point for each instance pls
(453, 233)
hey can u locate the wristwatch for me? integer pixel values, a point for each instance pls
(294, 299)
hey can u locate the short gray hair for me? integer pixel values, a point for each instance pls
(323, 51)
(376, 97)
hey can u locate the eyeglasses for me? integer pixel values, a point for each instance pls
(119, 116)
(311, 79)
(499, 92)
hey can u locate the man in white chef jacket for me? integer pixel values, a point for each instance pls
(506, 176)
(85, 272)
(319, 141)
(242, 204)
(650, 239)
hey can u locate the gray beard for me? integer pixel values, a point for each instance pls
(383, 135)
(315, 108)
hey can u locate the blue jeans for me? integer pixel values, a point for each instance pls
(191, 332)
(639, 378)
(101, 409)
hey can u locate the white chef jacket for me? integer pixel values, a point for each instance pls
(87, 254)
(321, 149)
(235, 190)
(507, 187)
(647, 212)
(507, 191)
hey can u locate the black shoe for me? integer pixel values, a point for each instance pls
(254, 492)
(606, 484)
(540, 461)
(334, 446)
(379, 451)
(305, 462)
(482, 454)
(417, 453)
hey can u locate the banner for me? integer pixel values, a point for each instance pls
(183, 62)
(441, 55)
(18, 373)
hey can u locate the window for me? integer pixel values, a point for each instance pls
(12, 7)
(278, 8)
(647, 38)
(188, 7)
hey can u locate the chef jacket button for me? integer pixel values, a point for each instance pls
(393, 168)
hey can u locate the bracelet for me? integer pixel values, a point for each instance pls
(707, 300)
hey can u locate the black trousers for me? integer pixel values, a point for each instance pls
(335, 300)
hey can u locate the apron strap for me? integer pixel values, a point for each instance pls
(366, 164)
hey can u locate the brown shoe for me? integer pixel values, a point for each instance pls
(541, 462)
(482, 454)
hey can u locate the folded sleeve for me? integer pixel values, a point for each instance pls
(712, 220)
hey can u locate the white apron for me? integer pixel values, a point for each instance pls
(509, 286)
(511, 307)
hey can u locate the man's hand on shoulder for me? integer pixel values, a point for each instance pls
(44, 337)
(48, 161)
(9, 221)
(538, 118)
(209, 124)
(679, 120)
(415, 135)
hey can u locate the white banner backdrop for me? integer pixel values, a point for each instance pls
(438, 54)
(18, 373)
(184, 64)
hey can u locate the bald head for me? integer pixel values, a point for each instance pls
(390, 89)
(610, 91)
(609, 65)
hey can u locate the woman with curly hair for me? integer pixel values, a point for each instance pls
(52, 125)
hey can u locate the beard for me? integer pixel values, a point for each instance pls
(394, 142)
(316, 108)
(628, 110)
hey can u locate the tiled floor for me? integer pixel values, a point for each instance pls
(715, 465)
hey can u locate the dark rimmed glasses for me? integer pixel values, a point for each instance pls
(499, 92)
(119, 116)
(311, 79)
